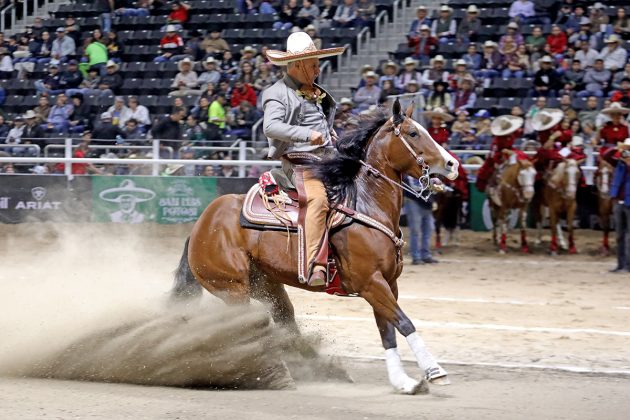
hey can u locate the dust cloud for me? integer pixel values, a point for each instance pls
(89, 302)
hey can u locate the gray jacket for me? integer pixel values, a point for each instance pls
(283, 116)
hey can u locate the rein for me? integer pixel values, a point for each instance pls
(425, 190)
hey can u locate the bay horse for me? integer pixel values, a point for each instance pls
(515, 189)
(238, 264)
(559, 195)
(603, 180)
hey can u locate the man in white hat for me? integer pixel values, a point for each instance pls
(505, 129)
(424, 43)
(546, 80)
(171, 46)
(369, 94)
(112, 80)
(620, 193)
(298, 117)
(445, 26)
(615, 130)
(211, 75)
(434, 73)
(186, 81)
(390, 72)
(409, 72)
(469, 26)
(420, 20)
(344, 114)
(613, 54)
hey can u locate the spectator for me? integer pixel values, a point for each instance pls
(388, 89)
(465, 95)
(390, 71)
(326, 15)
(461, 72)
(413, 87)
(210, 94)
(97, 55)
(469, 26)
(557, 41)
(201, 110)
(214, 45)
(573, 78)
(420, 220)
(535, 43)
(211, 75)
(132, 130)
(228, 66)
(311, 30)
(539, 105)
(242, 92)
(41, 49)
(620, 75)
(546, 80)
(244, 118)
(523, 59)
(421, 20)
(344, 115)
(171, 46)
(369, 94)
(613, 55)
(589, 114)
(50, 83)
(444, 28)
(472, 57)
(366, 11)
(586, 55)
(112, 80)
(42, 109)
(566, 19)
(482, 127)
(434, 73)
(522, 11)
(596, 80)
(346, 14)
(185, 81)
(115, 47)
(14, 138)
(179, 14)
(217, 117)
(615, 130)
(620, 24)
(440, 98)
(264, 78)
(491, 63)
(565, 106)
(194, 133)
(623, 94)
(599, 19)
(105, 132)
(512, 31)
(366, 67)
(4, 127)
(72, 30)
(602, 118)
(514, 67)
(139, 113)
(248, 55)
(90, 85)
(119, 112)
(424, 44)
(584, 35)
(72, 77)
(438, 130)
(33, 132)
(620, 193)
(307, 14)
(59, 117)
(63, 46)
(6, 64)
(507, 48)
(462, 124)
(81, 115)
(138, 8)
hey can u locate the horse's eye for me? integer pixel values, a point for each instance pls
(413, 134)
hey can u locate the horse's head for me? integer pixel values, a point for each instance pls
(603, 177)
(411, 150)
(566, 177)
(526, 177)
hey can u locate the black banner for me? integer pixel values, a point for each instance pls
(25, 198)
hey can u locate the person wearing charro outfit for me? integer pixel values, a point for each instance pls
(298, 117)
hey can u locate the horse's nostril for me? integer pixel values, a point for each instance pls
(449, 164)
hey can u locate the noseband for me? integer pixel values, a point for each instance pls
(426, 187)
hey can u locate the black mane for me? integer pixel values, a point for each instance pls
(338, 172)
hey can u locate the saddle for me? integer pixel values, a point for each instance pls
(275, 204)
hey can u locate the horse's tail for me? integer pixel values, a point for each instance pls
(185, 285)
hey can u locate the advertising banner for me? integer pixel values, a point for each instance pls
(25, 198)
(129, 199)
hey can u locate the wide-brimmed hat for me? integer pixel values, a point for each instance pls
(472, 9)
(370, 73)
(615, 108)
(106, 116)
(249, 49)
(505, 125)
(577, 141)
(391, 64)
(408, 61)
(185, 61)
(172, 168)
(300, 46)
(310, 28)
(29, 114)
(170, 28)
(111, 63)
(439, 113)
(437, 58)
(127, 188)
(366, 67)
(412, 82)
(425, 27)
(210, 60)
(512, 25)
(546, 59)
(547, 118)
(489, 44)
(461, 62)
(346, 101)
(445, 8)
(613, 39)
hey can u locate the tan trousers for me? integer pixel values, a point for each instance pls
(315, 221)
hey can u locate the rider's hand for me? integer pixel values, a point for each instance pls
(317, 138)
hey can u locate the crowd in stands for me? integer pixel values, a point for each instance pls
(78, 74)
(570, 55)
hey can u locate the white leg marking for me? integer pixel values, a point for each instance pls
(397, 376)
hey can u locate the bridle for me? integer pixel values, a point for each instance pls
(426, 189)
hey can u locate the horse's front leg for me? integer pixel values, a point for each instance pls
(378, 293)
(570, 219)
(503, 224)
(523, 219)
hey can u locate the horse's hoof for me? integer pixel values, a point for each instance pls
(573, 250)
(413, 387)
(441, 381)
(437, 376)
(525, 249)
(604, 252)
(502, 251)
(553, 253)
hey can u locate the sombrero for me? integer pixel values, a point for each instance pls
(172, 168)
(391, 64)
(185, 61)
(126, 188)
(300, 46)
(547, 118)
(615, 108)
(505, 124)
(439, 113)
(474, 160)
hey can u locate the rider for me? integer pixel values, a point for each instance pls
(547, 124)
(298, 117)
(506, 129)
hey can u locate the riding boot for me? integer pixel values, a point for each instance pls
(315, 226)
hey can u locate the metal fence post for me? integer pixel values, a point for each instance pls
(67, 170)
(155, 170)
(242, 155)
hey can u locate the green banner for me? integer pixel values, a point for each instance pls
(133, 199)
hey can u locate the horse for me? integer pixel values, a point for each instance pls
(514, 190)
(238, 264)
(559, 194)
(603, 181)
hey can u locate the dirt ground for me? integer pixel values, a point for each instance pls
(523, 336)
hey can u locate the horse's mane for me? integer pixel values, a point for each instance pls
(338, 172)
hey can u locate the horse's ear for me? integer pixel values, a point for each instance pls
(396, 108)
(409, 111)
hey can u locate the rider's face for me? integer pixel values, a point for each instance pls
(308, 70)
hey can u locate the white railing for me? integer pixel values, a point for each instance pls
(362, 38)
(106, 147)
(31, 9)
(22, 146)
(381, 20)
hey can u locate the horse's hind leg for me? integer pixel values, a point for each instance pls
(523, 220)
(570, 220)
(276, 296)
